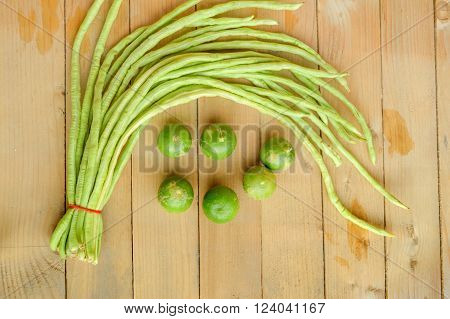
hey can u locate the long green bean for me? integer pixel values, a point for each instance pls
(178, 25)
(239, 99)
(147, 31)
(137, 81)
(86, 110)
(75, 98)
(338, 145)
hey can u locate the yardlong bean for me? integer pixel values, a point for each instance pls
(223, 57)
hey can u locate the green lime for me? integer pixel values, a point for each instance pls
(259, 182)
(174, 140)
(277, 154)
(218, 141)
(220, 204)
(175, 194)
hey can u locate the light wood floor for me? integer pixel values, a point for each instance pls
(294, 245)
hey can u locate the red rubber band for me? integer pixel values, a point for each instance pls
(85, 209)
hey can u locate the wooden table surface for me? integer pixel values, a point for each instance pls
(294, 245)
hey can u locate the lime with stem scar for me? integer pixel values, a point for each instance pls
(277, 154)
(259, 182)
(174, 140)
(218, 141)
(175, 194)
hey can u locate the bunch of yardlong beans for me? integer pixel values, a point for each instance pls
(137, 81)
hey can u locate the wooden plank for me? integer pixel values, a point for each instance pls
(165, 245)
(113, 276)
(443, 98)
(230, 254)
(292, 228)
(411, 172)
(32, 138)
(349, 36)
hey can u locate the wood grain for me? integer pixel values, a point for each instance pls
(413, 259)
(230, 254)
(349, 37)
(292, 228)
(112, 277)
(165, 245)
(279, 248)
(443, 103)
(32, 138)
